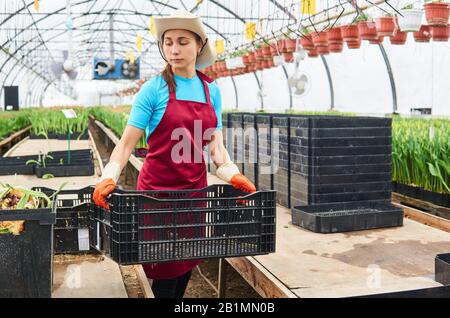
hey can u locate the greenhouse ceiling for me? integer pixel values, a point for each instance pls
(35, 33)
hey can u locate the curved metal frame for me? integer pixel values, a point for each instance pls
(391, 78)
(330, 81)
(40, 34)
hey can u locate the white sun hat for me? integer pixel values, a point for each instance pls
(182, 19)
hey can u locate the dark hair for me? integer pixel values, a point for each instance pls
(167, 73)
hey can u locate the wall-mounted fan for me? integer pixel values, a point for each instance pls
(68, 64)
(300, 81)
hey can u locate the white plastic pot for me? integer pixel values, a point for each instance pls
(278, 60)
(230, 63)
(411, 20)
(239, 62)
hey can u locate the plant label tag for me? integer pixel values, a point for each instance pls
(69, 113)
(83, 239)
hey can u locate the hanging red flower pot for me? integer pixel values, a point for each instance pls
(252, 57)
(399, 38)
(323, 50)
(336, 47)
(386, 26)
(440, 33)
(355, 44)
(291, 45)
(281, 46)
(264, 64)
(313, 53)
(307, 42)
(437, 13)
(246, 60)
(274, 49)
(259, 65)
(335, 36)
(259, 54)
(367, 30)
(288, 57)
(423, 35)
(350, 33)
(266, 51)
(320, 38)
(378, 40)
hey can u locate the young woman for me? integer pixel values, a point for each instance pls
(180, 102)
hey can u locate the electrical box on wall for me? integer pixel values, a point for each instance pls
(122, 69)
(11, 98)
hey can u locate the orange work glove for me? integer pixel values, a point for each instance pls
(241, 182)
(102, 190)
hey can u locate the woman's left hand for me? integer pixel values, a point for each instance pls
(241, 182)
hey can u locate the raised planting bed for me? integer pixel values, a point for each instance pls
(17, 165)
(441, 199)
(442, 268)
(76, 168)
(73, 136)
(347, 216)
(160, 226)
(26, 252)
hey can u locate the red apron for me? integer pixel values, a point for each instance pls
(160, 172)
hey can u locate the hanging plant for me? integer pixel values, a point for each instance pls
(335, 36)
(323, 50)
(336, 47)
(306, 40)
(386, 26)
(274, 48)
(355, 44)
(259, 52)
(350, 33)
(288, 57)
(313, 53)
(266, 51)
(320, 38)
(423, 35)
(399, 38)
(378, 40)
(410, 19)
(367, 30)
(436, 13)
(440, 33)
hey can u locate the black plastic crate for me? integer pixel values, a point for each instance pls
(71, 230)
(442, 268)
(26, 260)
(347, 216)
(160, 226)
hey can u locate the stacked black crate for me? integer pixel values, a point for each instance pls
(347, 172)
(264, 153)
(299, 160)
(250, 147)
(235, 140)
(280, 158)
(350, 159)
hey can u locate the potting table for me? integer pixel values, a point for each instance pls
(308, 264)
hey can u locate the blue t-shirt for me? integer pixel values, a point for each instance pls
(150, 103)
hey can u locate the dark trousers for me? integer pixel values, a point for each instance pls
(171, 288)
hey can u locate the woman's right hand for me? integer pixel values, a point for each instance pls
(102, 190)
